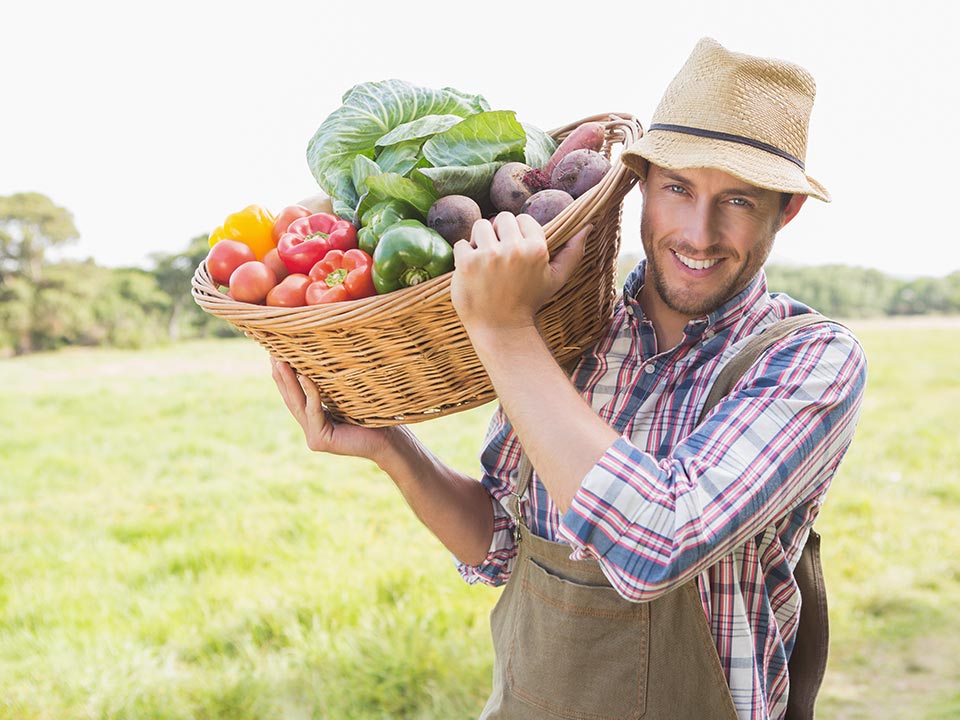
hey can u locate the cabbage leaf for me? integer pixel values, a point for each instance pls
(369, 111)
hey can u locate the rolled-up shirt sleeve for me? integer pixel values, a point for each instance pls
(771, 444)
(499, 460)
(495, 568)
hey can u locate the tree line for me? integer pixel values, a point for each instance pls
(47, 304)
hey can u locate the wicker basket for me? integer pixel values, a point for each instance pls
(404, 357)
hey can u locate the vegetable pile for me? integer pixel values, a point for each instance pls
(405, 173)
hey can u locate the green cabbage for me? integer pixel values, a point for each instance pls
(395, 140)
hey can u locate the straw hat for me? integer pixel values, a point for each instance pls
(745, 115)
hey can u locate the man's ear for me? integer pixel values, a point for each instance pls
(793, 207)
(642, 184)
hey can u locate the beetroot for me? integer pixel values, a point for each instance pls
(545, 205)
(513, 183)
(589, 135)
(453, 217)
(579, 171)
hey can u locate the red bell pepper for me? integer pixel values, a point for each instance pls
(341, 276)
(309, 238)
(285, 217)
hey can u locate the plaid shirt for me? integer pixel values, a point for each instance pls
(729, 503)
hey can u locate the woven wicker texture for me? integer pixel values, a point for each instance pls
(404, 357)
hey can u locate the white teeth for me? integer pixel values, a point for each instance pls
(696, 264)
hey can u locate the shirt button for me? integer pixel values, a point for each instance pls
(629, 310)
(649, 369)
(708, 333)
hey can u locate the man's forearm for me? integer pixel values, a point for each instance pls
(455, 507)
(562, 435)
(504, 274)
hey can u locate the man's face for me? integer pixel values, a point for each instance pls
(706, 234)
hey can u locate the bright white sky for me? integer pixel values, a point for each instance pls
(152, 122)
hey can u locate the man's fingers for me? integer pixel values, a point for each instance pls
(311, 395)
(483, 235)
(302, 398)
(508, 227)
(529, 227)
(290, 389)
(284, 377)
(566, 258)
(316, 424)
(461, 250)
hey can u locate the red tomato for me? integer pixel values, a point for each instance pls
(287, 216)
(273, 261)
(251, 282)
(290, 292)
(225, 257)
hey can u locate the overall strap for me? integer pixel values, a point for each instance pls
(524, 475)
(746, 356)
(808, 660)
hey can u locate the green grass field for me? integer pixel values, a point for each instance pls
(169, 549)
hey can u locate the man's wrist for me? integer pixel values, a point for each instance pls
(397, 442)
(495, 340)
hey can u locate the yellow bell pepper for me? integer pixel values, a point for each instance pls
(253, 226)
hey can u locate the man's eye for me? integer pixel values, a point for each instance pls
(675, 188)
(740, 201)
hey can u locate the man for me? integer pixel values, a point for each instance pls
(651, 564)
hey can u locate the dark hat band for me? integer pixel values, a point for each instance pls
(712, 134)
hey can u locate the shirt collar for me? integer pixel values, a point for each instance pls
(748, 299)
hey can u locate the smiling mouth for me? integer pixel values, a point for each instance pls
(696, 264)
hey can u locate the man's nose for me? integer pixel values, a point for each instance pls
(701, 227)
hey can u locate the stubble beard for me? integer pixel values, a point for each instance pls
(687, 300)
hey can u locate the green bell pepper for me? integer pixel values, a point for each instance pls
(408, 254)
(378, 218)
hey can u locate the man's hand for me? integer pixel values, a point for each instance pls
(454, 506)
(322, 433)
(504, 274)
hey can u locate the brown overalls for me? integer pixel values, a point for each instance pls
(567, 645)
